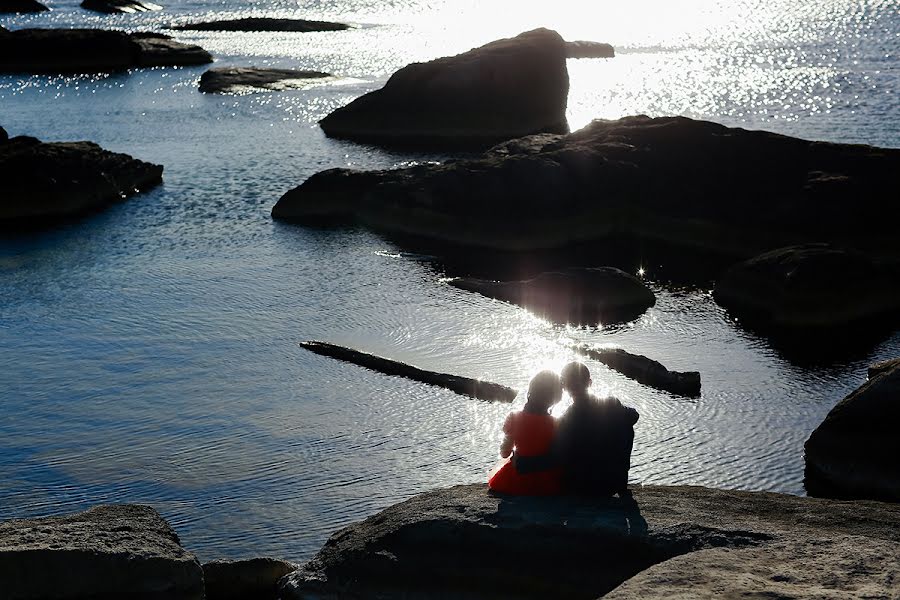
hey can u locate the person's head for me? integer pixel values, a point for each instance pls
(576, 379)
(544, 391)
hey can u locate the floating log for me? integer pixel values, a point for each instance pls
(483, 390)
(645, 370)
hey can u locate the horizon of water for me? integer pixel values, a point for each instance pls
(149, 353)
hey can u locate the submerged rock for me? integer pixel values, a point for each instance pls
(689, 542)
(263, 24)
(43, 183)
(583, 49)
(122, 551)
(251, 579)
(21, 6)
(119, 6)
(91, 51)
(854, 452)
(505, 89)
(580, 296)
(645, 370)
(229, 80)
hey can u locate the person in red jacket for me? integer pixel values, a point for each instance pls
(530, 432)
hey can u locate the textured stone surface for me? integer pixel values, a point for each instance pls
(264, 24)
(463, 543)
(230, 80)
(119, 6)
(252, 579)
(21, 6)
(883, 367)
(107, 552)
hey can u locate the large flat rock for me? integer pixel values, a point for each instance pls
(236, 80)
(119, 6)
(105, 553)
(21, 6)
(690, 542)
(263, 24)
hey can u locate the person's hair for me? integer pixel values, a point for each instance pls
(544, 391)
(575, 377)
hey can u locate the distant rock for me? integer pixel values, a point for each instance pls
(119, 6)
(583, 49)
(91, 51)
(645, 370)
(581, 296)
(21, 6)
(263, 24)
(855, 451)
(666, 542)
(230, 80)
(251, 579)
(42, 183)
(122, 551)
(503, 90)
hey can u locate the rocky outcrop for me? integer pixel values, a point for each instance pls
(234, 80)
(645, 370)
(251, 579)
(854, 452)
(463, 542)
(21, 6)
(119, 6)
(43, 183)
(672, 180)
(883, 367)
(581, 296)
(505, 89)
(263, 24)
(107, 552)
(91, 51)
(466, 386)
(584, 49)
(3, 135)
(809, 286)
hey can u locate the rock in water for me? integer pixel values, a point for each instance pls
(672, 542)
(645, 370)
(580, 296)
(264, 24)
(157, 50)
(122, 551)
(3, 135)
(238, 79)
(506, 89)
(883, 367)
(583, 49)
(119, 6)
(21, 6)
(855, 451)
(809, 286)
(44, 183)
(251, 579)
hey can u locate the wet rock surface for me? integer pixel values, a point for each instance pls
(251, 579)
(585, 49)
(21, 6)
(645, 370)
(230, 80)
(263, 24)
(119, 6)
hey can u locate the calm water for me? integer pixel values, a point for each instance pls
(149, 354)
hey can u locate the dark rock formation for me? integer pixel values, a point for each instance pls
(123, 551)
(483, 390)
(263, 24)
(119, 6)
(581, 296)
(809, 286)
(229, 80)
(21, 6)
(252, 579)
(506, 89)
(583, 49)
(883, 367)
(91, 51)
(684, 542)
(3, 135)
(44, 183)
(645, 370)
(854, 452)
(671, 180)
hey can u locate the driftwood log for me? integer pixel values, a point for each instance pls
(645, 370)
(483, 390)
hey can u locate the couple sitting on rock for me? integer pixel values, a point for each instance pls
(586, 452)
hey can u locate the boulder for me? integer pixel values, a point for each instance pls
(232, 80)
(3, 135)
(645, 370)
(122, 551)
(21, 6)
(809, 286)
(670, 180)
(119, 6)
(505, 89)
(678, 542)
(883, 367)
(251, 579)
(854, 452)
(583, 49)
(581, 296)
(91, 51)
(263, 24)
(43, 183)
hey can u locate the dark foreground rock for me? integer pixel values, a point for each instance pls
(810, 286)
(580, 296)
(645, 370)
(855, 451)
(673, 180)
(21, 6)
(231, 80)
(119, 6)
(263, 24)
(92, 51)
(107, 552)
(252, 579)
(43, 183)
(583, 49)
(669, 542)
(505, 89)
(483, 390)
(883, 367)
